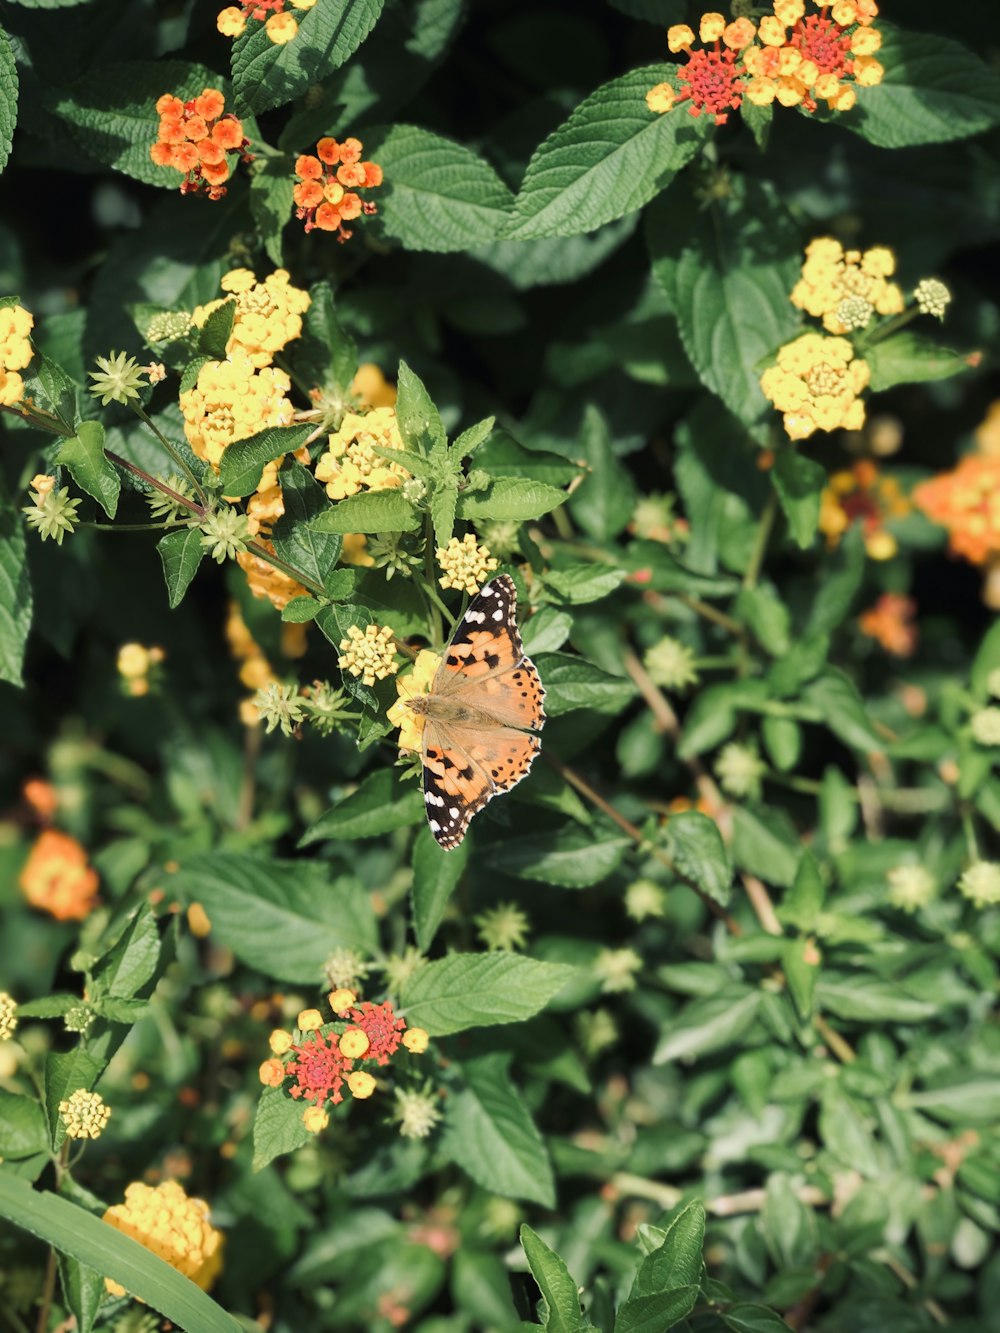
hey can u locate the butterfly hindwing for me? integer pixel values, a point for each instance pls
(465, 768)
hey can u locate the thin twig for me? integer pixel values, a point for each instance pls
(841, 1049)
(760, 901)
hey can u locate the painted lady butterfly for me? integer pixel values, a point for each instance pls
(483, 705)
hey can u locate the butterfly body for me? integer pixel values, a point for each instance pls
(480, 714)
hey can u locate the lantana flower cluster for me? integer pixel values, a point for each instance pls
(351, 463)
(790, 57)
(279, 24)
(846, 288)
(174, 1226)
(16, 324)
(268, 314)
(863, 494)
(326, 193)
(317, 1060)
(57, 877)
(232, 400)
(196, 138)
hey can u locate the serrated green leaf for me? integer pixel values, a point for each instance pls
(559, 1291)
(444, 504)
(468, 990)
(799, 483)
(510, 498)
(583, 583)
(266, 75)
(324, 356)
(700, 854)
(65, 1073)
(609, 158)
(83, 1291)
(712, 1023)
(907, 358)
(435, 875)
(439, 195)
(91, 1242)
(369, 511)
(572, 682)
(677, 1260)
(131, 963)
(295, 536)
(8, 97)
(382, 802)
(213, 336)
(801, 967)
(278, 1127)
(284, 918)
(492, 1137)
(934, 90)
(572, 858)
(84, 456)
(15, 596)
(243, 462)
(504, 456)
(272, 203)
(727, 272)
(653, 1314)
(181, 553)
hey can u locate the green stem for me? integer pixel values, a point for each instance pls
(183, 501)
(177, 457)
(760, 541)
(434, 604)
(37, 416)
(130, 527)
(887, 329)
(969, 829)
(709, 612)
(262, 553)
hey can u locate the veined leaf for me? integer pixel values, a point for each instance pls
(479, 990)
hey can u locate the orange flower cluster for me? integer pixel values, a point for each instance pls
(57, 879)
(318, 1058)
(264, 508)
(195, 138)
(890, 622)
(279, 25)
(789, 57)
(862, 494)
(326, 194)
(967, 502)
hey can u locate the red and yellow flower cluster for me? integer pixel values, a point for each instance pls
(196, 138)
(790, 57)
(315, 1061)
(279, 24)
(57, 878)
(326, 193)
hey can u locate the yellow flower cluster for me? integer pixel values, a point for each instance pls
(368, 653)
(16, 324)
(268, 314)
(351, 464)
(815, 384)
(8, 1016)
(255, 670)
(172, 1226)
(465, 564)
(836, 283)
(415, 683)
(84, 1114)
(264, 508)
(231, 400)
(134, 665)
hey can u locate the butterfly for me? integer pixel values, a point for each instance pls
(480, 714)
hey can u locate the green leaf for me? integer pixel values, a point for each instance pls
(295, 536)
(655, 1313)
(83, 1291)
(243, 462)
(369, 511)
(700, 855)
(22, 1127)
(603, 502)
(934, 91)
(782, 738)
(93, 1243)
(503, 456)
(727, 271)
(278, 1127)
(868, 999)
(677, 1261)
(382, 802)
(907, 358)
(546, 631)
(763, 845)
(583, 583)
(435, 874)
(468, 990)
(419, 420)
(799, 483)
(559, 1291)
(492, 1137)
(181, 553)
(839, 585)
(985, 662)
(471, 440)
(837, 698)
(789, 1226)
(131, 963)
(324, 356)
(572, 858)
(444, 504)
(802, 904)
(963, 1099)
(8, 97)
(84, 456)
(64, 1075)
(798, 959)
(111, 116)
(284, 918)
(767, 617)
(711, 1023)
(15, 596)
(571, 683)
(511, 498)
(845, 1132)
(214, 334)
(266, 75)
(753, 1319)
(438, 194)
(609, 158)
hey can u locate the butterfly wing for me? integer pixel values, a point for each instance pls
(485, 661)
(465, 767)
